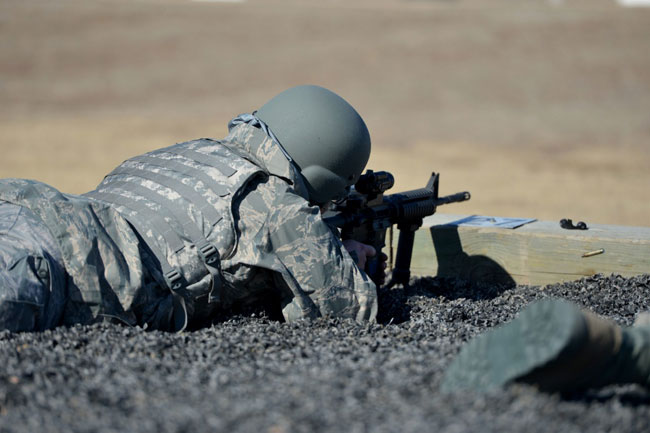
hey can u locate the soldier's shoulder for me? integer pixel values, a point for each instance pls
(26, 190)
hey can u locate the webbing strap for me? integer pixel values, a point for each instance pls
(143, 216)
(201, 158)
(189, 193)
(167, 208)
(189, 171)
(208, 252)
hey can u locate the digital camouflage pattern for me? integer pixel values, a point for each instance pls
(283, 234)
(98, 248)
(32, 281)
(271, 241)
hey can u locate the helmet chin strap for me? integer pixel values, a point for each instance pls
(255, 121)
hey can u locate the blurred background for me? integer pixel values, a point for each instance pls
(541, 108)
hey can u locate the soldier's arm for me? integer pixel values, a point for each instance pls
(318, 264)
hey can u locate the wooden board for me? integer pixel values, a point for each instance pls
(537, 253)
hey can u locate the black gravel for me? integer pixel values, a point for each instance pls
(252, 374)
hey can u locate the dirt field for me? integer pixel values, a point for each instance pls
(539, 109)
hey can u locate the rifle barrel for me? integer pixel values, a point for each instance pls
(454, 198)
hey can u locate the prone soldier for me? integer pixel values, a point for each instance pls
(169, 237)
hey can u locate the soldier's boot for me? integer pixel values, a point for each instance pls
(556, 347)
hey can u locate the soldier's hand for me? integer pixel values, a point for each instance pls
(380, 278)
(360, 251)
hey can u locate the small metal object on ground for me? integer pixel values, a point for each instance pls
(594, 253)
(567, 224)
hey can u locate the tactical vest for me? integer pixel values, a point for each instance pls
(179, 200)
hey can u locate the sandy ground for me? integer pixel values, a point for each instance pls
(539, 108)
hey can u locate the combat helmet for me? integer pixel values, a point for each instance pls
(323, 134)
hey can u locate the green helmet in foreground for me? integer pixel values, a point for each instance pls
(323, 134)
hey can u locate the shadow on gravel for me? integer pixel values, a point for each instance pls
(632, 396)
(267, 307)
(459, 276)
(394, 303)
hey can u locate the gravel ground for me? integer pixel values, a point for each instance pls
(249, 373)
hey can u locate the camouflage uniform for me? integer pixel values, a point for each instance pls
(31, 277)
(141, 247)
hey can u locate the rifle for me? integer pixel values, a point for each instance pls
(366, 214)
